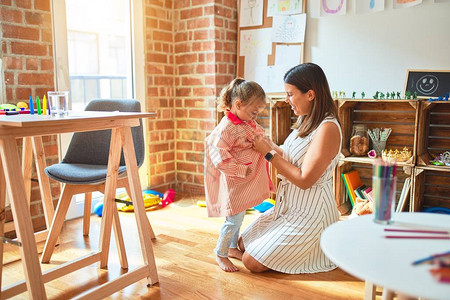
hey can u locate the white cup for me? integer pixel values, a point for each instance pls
(58, 103)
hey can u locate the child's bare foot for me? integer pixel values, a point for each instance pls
(235, 253)
(225, 264)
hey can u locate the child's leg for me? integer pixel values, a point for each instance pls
(231, 225)
(234, 251)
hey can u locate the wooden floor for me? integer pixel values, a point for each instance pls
(185, 262)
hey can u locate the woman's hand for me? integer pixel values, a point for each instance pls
(261, 145)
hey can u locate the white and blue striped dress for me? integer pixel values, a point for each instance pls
(286, 238)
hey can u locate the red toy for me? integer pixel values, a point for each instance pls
(168, 197)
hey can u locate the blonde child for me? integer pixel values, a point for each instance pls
(236, 176)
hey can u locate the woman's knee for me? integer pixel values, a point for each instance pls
(252, 264)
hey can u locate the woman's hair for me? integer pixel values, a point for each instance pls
(309, 76)
(246, 91)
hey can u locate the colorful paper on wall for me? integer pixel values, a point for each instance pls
(289, 29)
(251, 13)
(333, 7)
(406, 3)
(368, 6)
(284, 7)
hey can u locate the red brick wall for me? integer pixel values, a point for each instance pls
(198, 62)
(190, 55)
(27, 65)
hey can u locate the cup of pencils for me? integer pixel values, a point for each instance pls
(384, 183)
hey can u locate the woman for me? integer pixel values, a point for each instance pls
(287, 237)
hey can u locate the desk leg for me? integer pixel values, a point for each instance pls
(110, 191)
(27, 165)
(370, 291)
(22, 218)
(143, 224)
(2, 215)
(44, 182)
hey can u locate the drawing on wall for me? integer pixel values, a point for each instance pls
(333, 7)
(271, 77)
(427, 84)
(284, 7)
(368, 6)
(406, 3)
(255, 42)
(251, 13)
(289, 29)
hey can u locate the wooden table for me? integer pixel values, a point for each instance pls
(20, 126)
(359, 247)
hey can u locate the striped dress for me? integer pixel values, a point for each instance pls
(228, 154)
(286, 238)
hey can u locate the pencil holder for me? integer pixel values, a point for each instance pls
(384, 185)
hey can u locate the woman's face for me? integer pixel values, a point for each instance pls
(301, 103)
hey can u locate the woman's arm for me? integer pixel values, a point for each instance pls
(321, 151)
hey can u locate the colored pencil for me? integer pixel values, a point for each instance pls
(426, 237)
(430, 258)
(418, 231)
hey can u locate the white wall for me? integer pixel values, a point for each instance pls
(372, 52)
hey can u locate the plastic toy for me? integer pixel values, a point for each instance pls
(168, 197)
(265, 205)
(98, 209)
(124, 203)
(8, 106)
(363, 95)
(22, 104)
(152, 192)
(201, 203)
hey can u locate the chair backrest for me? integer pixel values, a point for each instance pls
(93, 147)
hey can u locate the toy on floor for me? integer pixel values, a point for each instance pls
(168, 197)
(265, 205)
(98, 209)
(201, 203)
(124, 202)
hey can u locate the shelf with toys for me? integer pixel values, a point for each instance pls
(389, 124)
(432, 171)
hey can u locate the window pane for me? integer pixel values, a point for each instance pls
(98, 33)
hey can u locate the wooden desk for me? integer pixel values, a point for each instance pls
(358, 246)
(19, 126)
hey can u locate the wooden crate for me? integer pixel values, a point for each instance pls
(365, 173)
(431, 188)
(433, 132)
(399, 115)
(281, 120)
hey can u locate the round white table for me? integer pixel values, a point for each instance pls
(359, 247)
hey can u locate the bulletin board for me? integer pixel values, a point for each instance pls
(428, 83)
(271, 37)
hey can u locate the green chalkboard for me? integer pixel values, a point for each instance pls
(428, 83)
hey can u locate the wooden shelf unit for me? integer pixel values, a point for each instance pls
(399, 115)
(432, 183)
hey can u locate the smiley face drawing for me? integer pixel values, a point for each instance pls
(427, 84)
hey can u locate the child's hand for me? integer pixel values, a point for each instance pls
(261, 145)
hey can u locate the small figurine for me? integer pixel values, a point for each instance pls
(363, 95)
(415, 95)
(393, 95)
(408, 95)
(376, 95)
(353, 95)
(398, 95)
(446, 96)
(381, 96)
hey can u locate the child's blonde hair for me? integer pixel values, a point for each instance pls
(246, 91)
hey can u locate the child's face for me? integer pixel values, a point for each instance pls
(250, 111)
